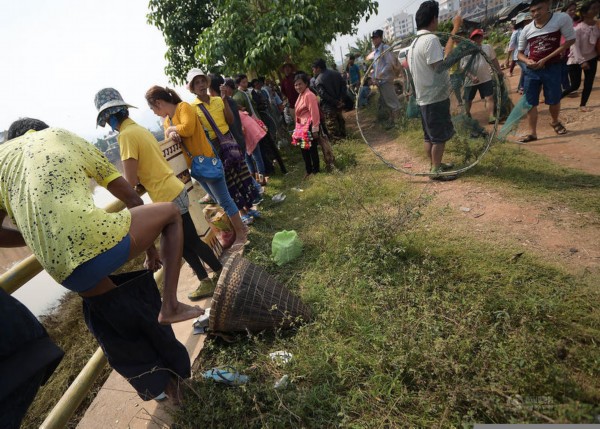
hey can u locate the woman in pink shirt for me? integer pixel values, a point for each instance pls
(306, 132)
(583, 55)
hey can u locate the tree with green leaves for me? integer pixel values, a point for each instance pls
(251, 35)
(362, 47)
(101, 145)
(181, 23)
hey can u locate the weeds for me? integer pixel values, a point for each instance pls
(413, 328)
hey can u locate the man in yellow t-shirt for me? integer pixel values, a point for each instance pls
(145, 164)
(44, 190)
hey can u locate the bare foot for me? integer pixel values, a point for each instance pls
(585, 109)
(180, 313)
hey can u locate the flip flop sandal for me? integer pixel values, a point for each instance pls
(559, 128)
(528, 138)
(206, 200)
(227, 375)
(247, 219)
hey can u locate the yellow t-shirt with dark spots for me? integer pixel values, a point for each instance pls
(45, 190)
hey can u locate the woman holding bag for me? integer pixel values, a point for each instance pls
(182, 124)
(306, 132)
(215, 116)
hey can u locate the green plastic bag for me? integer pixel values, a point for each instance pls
(286, 247)
(412, 109)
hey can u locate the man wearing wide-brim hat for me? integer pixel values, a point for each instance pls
(384, 74)
(144, 164)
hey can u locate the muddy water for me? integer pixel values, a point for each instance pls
(42, 293)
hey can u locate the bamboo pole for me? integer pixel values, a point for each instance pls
(69, 402)
(20, 274)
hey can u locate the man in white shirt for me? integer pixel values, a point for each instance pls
(432, 85)
(478, 76)
(542, 37)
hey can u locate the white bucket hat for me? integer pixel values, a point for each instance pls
(195, 73)
(523, 16)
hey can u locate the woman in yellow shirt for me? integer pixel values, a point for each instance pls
(182, 124)
(241, 185)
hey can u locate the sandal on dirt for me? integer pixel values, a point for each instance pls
(227, 375)
(207, 199)
(528, 138)
(559, 128)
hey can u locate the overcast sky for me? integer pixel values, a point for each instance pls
(57, 54)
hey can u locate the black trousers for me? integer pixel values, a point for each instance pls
(588, 79)
(124, 320)
(311, 157)
(195, 250)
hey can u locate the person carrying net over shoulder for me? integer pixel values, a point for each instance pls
(429, 63)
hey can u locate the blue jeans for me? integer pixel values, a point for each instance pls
(217, 190)
(257, 157)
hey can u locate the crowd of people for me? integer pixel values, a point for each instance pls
(45, 193)
(236, 125)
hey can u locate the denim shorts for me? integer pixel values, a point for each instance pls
(550, 78)
(182, 202)
(88, 275)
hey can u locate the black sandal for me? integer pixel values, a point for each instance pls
(559, 128)
(528, 138)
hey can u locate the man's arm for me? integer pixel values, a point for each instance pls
(456, 23)
(130, 167)
(122, 190)
(227, 111)
(9, 237)
(540, 64)
(442, 65)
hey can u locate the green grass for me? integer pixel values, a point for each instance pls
(412, 328)
(513, 170)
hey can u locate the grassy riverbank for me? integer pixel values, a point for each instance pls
(417, 324)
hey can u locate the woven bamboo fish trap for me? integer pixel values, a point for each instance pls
(247, 298)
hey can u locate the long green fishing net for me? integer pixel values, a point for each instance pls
(474, 133)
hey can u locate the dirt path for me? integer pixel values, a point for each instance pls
(580, 147)
(556, 232)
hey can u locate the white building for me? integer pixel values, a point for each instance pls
(448, 9)
(482, 10)
(398, 26)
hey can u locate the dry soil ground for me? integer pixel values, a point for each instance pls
(558, 233)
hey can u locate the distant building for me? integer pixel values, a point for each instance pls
(448, 9)
(398, 26)
(483, 10)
